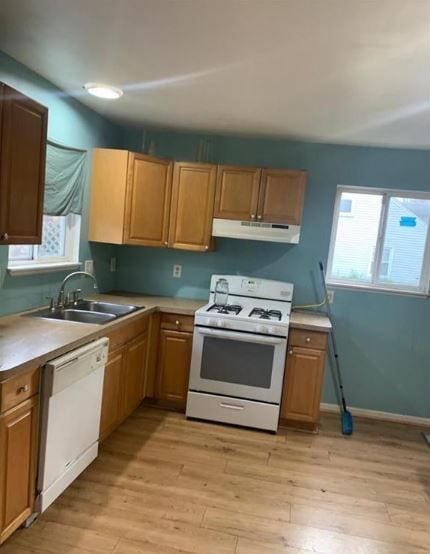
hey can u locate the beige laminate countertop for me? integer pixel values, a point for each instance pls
(310, 321)
(26, 341)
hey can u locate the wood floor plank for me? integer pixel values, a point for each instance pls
(166, 485)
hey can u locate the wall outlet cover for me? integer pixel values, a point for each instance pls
(330, 296)
(177, 271)
(112, 264)
(89, 266)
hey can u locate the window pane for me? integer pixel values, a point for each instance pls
(405, 239)
(20, 252)
(346, 205)
(356, 237)
(53, 236)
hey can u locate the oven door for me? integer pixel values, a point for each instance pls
(241, 365)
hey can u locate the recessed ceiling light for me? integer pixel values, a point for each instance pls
(103, 91)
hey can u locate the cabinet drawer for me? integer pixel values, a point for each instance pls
(311, 339)
(176, 322)
(128, 332)
(18, 389)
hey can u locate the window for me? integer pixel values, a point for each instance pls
(383, 244)
(60, 245)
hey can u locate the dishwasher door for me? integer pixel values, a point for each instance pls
(71, 405)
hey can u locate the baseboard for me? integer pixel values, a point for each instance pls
(381, 416)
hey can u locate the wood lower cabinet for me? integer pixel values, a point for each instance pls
(18, 451)
(304, 372)
(134, 380)
(112, 410)
(282, 194)
(125, 372)
(193, 196)
(237, 192)
(23, 127)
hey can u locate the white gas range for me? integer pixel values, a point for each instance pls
(238, 358)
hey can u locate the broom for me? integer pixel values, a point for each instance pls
(347, 423)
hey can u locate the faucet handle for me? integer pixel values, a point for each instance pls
(76, 295)
(51, 303)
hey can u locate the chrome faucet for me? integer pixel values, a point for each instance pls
(60, 299)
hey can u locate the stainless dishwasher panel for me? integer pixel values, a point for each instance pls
(72, 387)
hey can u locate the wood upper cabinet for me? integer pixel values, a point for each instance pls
(148, 200)
(281, 197)
(193, 195)
(18, 447)
(302, 386)
(130, 198)
(174, 358)
(237, 191)
(23, 128)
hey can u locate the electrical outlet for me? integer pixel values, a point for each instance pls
(112, 265)
(177, 271)
(89, 266)
(330, 296)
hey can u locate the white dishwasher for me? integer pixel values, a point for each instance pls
(72, 387)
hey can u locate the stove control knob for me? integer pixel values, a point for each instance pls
(272, 330)
(262, 329)
(221, 323)
(211, 322)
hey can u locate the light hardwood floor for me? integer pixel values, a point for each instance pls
(165, 485)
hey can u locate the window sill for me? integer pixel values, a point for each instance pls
(385, 290)
(33, 269)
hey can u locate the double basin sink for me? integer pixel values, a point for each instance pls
(88, 311)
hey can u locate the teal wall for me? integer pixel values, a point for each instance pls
(71, 124)
(383, 339)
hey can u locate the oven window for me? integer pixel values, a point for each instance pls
(238, 362)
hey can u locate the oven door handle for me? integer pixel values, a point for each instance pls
(231, 335)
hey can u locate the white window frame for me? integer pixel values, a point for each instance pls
(70, 260)
(423, 288)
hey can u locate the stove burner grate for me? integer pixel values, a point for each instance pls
(234, 309)
(261, 313)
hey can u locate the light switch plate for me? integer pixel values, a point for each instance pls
(177, 271)
(89, 266)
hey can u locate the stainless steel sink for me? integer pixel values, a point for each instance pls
(71, 314)
(88, 311)
(105, 307)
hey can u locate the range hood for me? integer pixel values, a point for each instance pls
(252, 230)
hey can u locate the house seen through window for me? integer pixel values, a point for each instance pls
(380, 240)
(60, 243)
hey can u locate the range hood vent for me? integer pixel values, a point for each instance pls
(252, 230)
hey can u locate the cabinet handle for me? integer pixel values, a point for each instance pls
(4, 236)
(290, 351)
(308, 339)
(259, 216)
(206, 247)
(252, 216)
(165, 243)
(177, 322)
(24, 388)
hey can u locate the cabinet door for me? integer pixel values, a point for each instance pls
(22, 168)
(236, 195)
(112, 400)
(174, 366)
(302, 384)
(282, 194)
(18, 444)
(193, 195)
(134, 380)
(148, 200)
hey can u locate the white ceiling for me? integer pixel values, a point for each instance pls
(343, 71)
